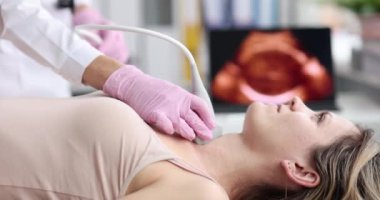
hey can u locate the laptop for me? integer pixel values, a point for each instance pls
(270, 66)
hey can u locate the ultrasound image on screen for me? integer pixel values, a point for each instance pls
(271, 66)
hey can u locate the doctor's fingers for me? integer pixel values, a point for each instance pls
(183, 129)
(199, 127)
(113, 45)
(161, 122)
(203, 111)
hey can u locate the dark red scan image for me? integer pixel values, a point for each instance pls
(271, 67)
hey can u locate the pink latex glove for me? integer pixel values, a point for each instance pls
(113, 43)
(161, 103)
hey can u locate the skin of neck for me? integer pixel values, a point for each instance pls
(233, 164)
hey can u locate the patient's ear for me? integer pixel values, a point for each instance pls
(301, 175)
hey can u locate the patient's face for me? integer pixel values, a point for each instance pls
(291, 129)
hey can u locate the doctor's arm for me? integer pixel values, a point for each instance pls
(47, 40)
(160, 103)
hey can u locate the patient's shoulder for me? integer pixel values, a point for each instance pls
(188, 190)
(173, 183)
(105, 107)
(209, 191)
(164, 190)
(196, 186)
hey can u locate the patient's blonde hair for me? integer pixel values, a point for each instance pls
(349, 170)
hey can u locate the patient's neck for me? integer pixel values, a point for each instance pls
(228, 160)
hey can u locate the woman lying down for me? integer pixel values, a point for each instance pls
(99, 148)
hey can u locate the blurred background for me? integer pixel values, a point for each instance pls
(355, 42)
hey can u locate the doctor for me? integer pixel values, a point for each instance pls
(33, 41)
(23, 76)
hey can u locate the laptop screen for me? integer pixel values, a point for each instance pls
(270, 66)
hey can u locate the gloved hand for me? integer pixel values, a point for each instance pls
(161, 103)
(113, 43)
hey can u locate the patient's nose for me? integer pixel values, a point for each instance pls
(296, 104)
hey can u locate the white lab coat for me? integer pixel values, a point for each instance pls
(37, 50)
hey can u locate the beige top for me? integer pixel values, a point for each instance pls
(74, 149)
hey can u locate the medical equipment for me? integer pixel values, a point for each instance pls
(196, 82)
